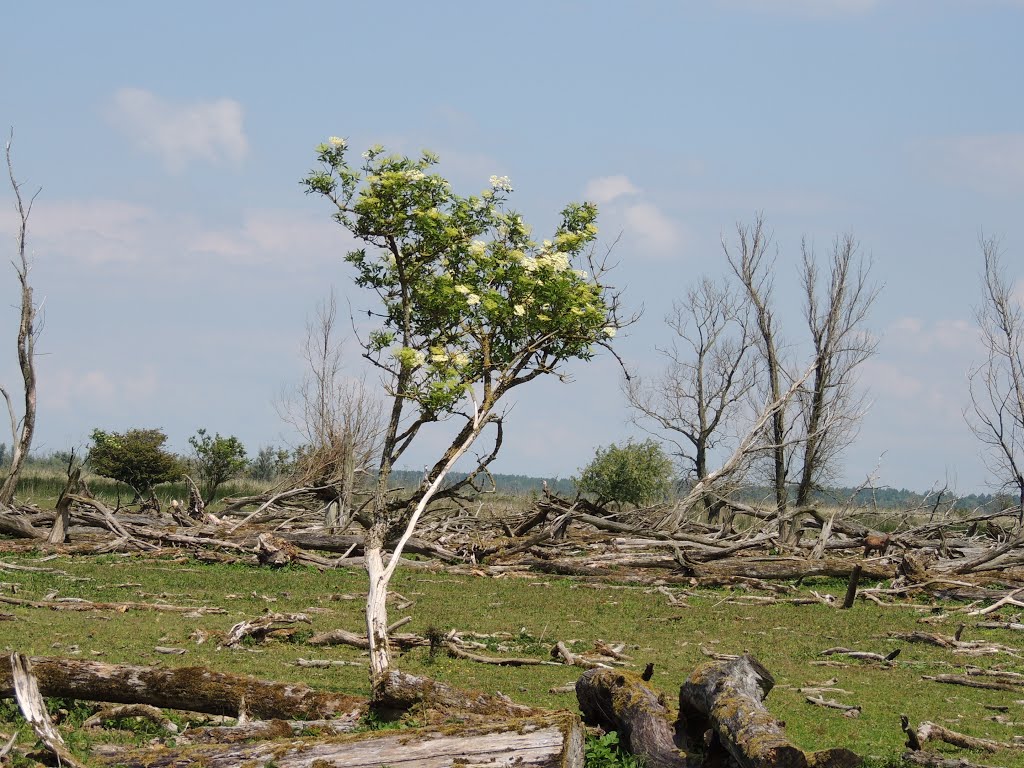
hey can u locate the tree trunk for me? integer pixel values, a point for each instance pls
(197, 689)
(552, 741)
(620, 702)
(27, 332)
(377, 610)
(728, 698)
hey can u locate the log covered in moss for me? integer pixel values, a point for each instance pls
(197, 689)
(555, 740)
(727, 699)
(619, 701)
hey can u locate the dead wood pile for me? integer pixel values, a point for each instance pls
(565, 537)
(721, 720)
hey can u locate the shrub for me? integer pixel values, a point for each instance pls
(136, 458)
(215, 459)
(637, 473)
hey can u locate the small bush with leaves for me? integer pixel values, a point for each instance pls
(216, 459)
(606, 752)
(136, 458)
(636, 473)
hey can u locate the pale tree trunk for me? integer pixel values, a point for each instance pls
(27, 332)
(379, 574)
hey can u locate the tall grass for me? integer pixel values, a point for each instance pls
(41, 486)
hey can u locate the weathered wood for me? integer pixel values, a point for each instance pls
(33, 708)
(550, 741)
(191, 688)
(402, 691)
(79, 604)
(621, 702)
(729, 697)
(261, 730)
(851, 587)
(13, 524)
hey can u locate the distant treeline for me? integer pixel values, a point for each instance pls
(509, 485)
(525, 485)
(882, 498)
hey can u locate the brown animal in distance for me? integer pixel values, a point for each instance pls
(876, 541)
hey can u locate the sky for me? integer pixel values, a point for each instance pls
(179, 260)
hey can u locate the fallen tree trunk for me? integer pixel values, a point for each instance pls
(403, 691)
(549, 741)
(728, 698)
(197, 689)
(19, 527)
(620, 702)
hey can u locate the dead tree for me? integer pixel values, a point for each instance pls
(830, 406)
(338, 419)
(996, 415)
(708, 375)
(29, 327)
(807, 434)
(753, 269)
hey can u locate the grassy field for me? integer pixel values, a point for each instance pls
(41, 486)
(536, 612)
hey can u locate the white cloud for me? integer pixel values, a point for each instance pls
(115, 233)
(889, 379)
(944, 335)
(88, 231)
(67, 389)
(655, 230)
(993, 162)
(210, 131)
(805, 7)
(606, 189)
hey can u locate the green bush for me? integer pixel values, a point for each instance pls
(606, 752)
(637, 473)
(136, 458)
(215, 459)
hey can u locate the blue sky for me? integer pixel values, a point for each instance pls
(179, 258)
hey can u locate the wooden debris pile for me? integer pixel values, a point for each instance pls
(721, 720)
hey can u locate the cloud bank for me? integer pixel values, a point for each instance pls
(179, 134)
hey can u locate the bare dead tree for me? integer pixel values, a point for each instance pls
(831, 407)
(996, 415)
(749, 261)
(29, 328)
(708, 376)
(338, 417)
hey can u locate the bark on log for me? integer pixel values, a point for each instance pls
(197, 689)
(550, 741)
(18, 526)
(621, 702)
(402, 691)
(729, 696)
(262, 730)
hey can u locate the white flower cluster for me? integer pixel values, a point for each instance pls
(501, 183)
(337, 142)
(415, 175)
(441, 355)
(477, 248)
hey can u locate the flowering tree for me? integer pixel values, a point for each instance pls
(468, 308)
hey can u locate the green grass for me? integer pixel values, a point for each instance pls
(42, 487)
(788, 639)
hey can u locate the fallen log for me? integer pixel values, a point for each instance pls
(617, 701)
(261, 730)
(197, 689)
(548, 741)
(402, 691)
(20, 528)
(729, 698)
